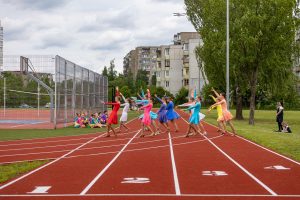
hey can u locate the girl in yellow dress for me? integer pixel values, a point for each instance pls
(226, 115)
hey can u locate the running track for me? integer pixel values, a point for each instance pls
(167, 166)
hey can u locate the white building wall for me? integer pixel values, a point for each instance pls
(175, 74)
(195, 74)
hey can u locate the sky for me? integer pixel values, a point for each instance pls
(89, 32)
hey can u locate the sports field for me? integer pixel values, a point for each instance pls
(167, 166)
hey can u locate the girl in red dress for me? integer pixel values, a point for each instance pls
(113, 117)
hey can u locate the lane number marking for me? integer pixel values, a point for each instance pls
(277, 167)
(136, 180)
(40, 190)
(214, 173)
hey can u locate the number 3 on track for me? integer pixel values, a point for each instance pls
(137, 180)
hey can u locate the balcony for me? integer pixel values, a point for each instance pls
(185, 52)
(185, 60)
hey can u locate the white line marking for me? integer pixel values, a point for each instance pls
(108, 146)
(148, 195)
(66, 140)
(269, 150)
(50, 163)
(105, 153)
(241, 167)
(135, 180)
(176, 182)
(287, 158)
(277, 167)
(88, 187)
(29, 124)
(40, 190)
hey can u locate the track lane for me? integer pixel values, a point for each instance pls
(153, 164)
(69, 175)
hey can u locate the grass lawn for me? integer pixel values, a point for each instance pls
(17, 134)
(263, 131)
(10, 171)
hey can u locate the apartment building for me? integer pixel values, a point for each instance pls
(175, 65)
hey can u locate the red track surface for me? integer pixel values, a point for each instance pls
(93, 167)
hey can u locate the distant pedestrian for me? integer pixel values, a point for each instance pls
(279, 116)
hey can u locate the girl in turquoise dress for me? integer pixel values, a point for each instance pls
(194, 118)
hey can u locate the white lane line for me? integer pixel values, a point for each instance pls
(241, 167)
(50, 163)
(176, 182)
(150, 195)
(88, 187)
(106, 153)
(101, 147)
(53, 141)
(289, 159)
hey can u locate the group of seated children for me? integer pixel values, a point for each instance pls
(96, 120)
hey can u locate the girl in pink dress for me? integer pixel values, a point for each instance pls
(146, 121)
(226, 115)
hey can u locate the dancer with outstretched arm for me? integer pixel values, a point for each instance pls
(124, 116)
(194, 118)
(146, 121)
(172, 116)
(113, 117)
(227, 116)
(162, 113)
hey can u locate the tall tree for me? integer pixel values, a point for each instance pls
(262, 36)
(104, 72)
(112, 73)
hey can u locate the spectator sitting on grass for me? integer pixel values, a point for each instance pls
(286, 128)
(79, 123)
(93, 121)
(104, 117)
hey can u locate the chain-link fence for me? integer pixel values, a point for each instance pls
(25, 99)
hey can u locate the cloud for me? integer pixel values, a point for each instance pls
(89, 32)
(36, 4)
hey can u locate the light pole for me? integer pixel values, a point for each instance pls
(227, 53)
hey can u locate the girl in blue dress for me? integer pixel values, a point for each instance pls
(162, 113)
(171, 114)
(194, 118)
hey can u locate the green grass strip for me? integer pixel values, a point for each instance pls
(9, 171)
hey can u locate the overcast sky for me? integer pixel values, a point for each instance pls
(89, 32)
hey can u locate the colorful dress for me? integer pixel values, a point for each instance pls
(195, 117)
(124, 115)
(152, 114)
(147, 119)
(162, 117)
(113, 117)
(219, 110)
(226, 115)
(171, 114)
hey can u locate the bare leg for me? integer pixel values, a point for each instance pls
(153, 122)
(232, 127)
(202, 128)
(124, 125)
(189, 130)
(174, 123)
(143, 127)
(223, 127)
(113, 130)
(108, 128)
(120, 127)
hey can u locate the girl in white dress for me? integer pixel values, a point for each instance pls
(124, 115)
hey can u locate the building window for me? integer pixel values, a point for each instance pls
(167, 84)
(185, 46)
(159, 64)
(167, 73)
(167, 63)
(186, 82)
(157, 74)
(167, 51)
